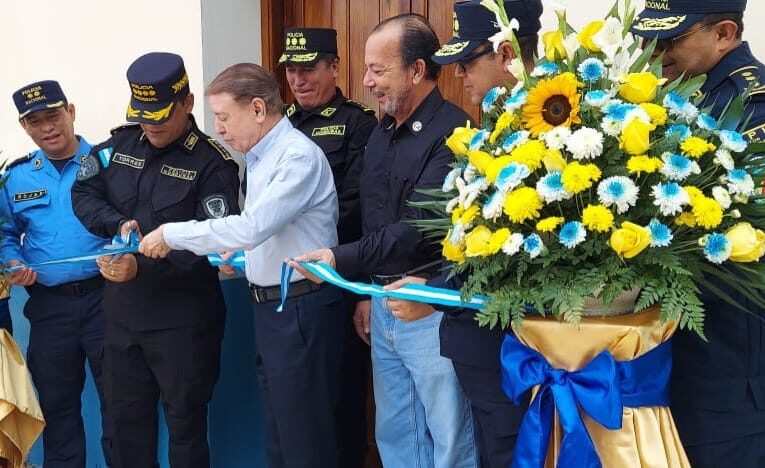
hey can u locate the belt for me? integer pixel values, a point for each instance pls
(73, 288)
(424, 271)
(274, 293)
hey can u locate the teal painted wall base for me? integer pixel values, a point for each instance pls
(236, 427)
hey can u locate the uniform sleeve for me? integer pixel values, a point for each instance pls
(348, 191)
(398, 241)
(90, 197)
(289, 193)
(218, 197)
(10, 245)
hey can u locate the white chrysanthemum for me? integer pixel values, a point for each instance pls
(733, 141)
(449, 180)
(740, 182)
(721, 196)
(585, 143)
(724, 158)
(458, 233)
(469, 192)
(611, 127)
(670, 198)
(492, 209)
(618, 191)
(689, 112)
(513, 244)
(550, 188)
(470, 173)
(597, 98)
(452, 204)
(556, 138)
(678, 167)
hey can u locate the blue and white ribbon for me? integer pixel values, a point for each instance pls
(409, 292)
(118, 246)
(236, 260)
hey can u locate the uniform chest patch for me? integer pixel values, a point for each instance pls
(129, 161)
(26, 196)
(335, 130)
(215, 206)
(178, 173)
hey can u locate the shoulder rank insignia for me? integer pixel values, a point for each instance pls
(291, 110)
(17, 161)
(220, 149)
(38, 164)
(328, 112)
(191, 141)
(746, 77)
(123, 127)
(26, 196)
(360, 105)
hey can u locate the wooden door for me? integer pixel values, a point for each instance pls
(353, 20)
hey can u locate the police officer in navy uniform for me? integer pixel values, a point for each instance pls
(64, 307)
(165, 317)
(717, 388)
(341, 128)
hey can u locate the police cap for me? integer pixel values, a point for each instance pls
(662, 19)
(38, 96)
(305, 46)
(157, 81)
(475, 24)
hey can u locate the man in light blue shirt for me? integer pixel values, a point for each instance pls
(64, 309)
(291, 207)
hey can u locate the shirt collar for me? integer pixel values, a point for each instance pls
(421, 116)
(272, 137)
(733, 60)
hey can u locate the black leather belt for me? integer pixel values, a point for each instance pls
(384, 280)
(274, 293)
(73, 288)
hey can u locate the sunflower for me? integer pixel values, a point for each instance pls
(551, 103)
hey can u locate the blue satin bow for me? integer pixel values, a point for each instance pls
(602, 388)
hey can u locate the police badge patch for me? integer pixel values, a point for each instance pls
(215, 206)
(88, 168)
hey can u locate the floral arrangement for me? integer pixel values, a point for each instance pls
(593, 176)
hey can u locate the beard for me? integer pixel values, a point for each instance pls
(395, 100)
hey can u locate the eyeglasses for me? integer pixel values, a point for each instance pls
(463, 63)
(667, 44)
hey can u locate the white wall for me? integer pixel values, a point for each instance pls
(87, 45)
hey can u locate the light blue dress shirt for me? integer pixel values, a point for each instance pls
(290, 208)
(39, 223)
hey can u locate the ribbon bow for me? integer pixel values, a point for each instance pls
(601, 388)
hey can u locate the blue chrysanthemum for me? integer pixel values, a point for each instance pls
(597, 98)
(516, 101)
(550, 188)
(492, 209)
(533, 245)
(572, 234)
(678, 167)
(544, 69)
(682, 132)
(661, 235)
(717, 248)
(738, 176)
(674, 102)
(511, 176)
(706, 122)
(451, 178)
(515, 139)
(619, 111)
(670, 198)
(491, 97)
(733, 141)
(618, 191)
(591, 70)
(478, 139)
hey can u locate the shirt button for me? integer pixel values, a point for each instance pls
(379, 205)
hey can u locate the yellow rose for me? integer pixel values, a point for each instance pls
(554, 161)
(460, 138)
(636, 137)
(477, 242)
(453, 252)
(630, 239)
(480, 159)
(640, 87)
(748, 243)
(554, 48)
(585, 35)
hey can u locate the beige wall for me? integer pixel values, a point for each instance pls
(87, 45)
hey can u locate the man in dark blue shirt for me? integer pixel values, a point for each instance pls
(423, 417)
(717, 388)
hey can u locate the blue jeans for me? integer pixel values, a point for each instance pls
(423, 417)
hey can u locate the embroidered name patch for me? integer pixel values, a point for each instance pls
(338, 130)
(126, 160)
(26, 196)
(178, 173)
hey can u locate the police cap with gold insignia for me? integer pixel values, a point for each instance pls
(38, 96)
(475, 24)
(157, 81)
(305, 46)
(662, 19)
